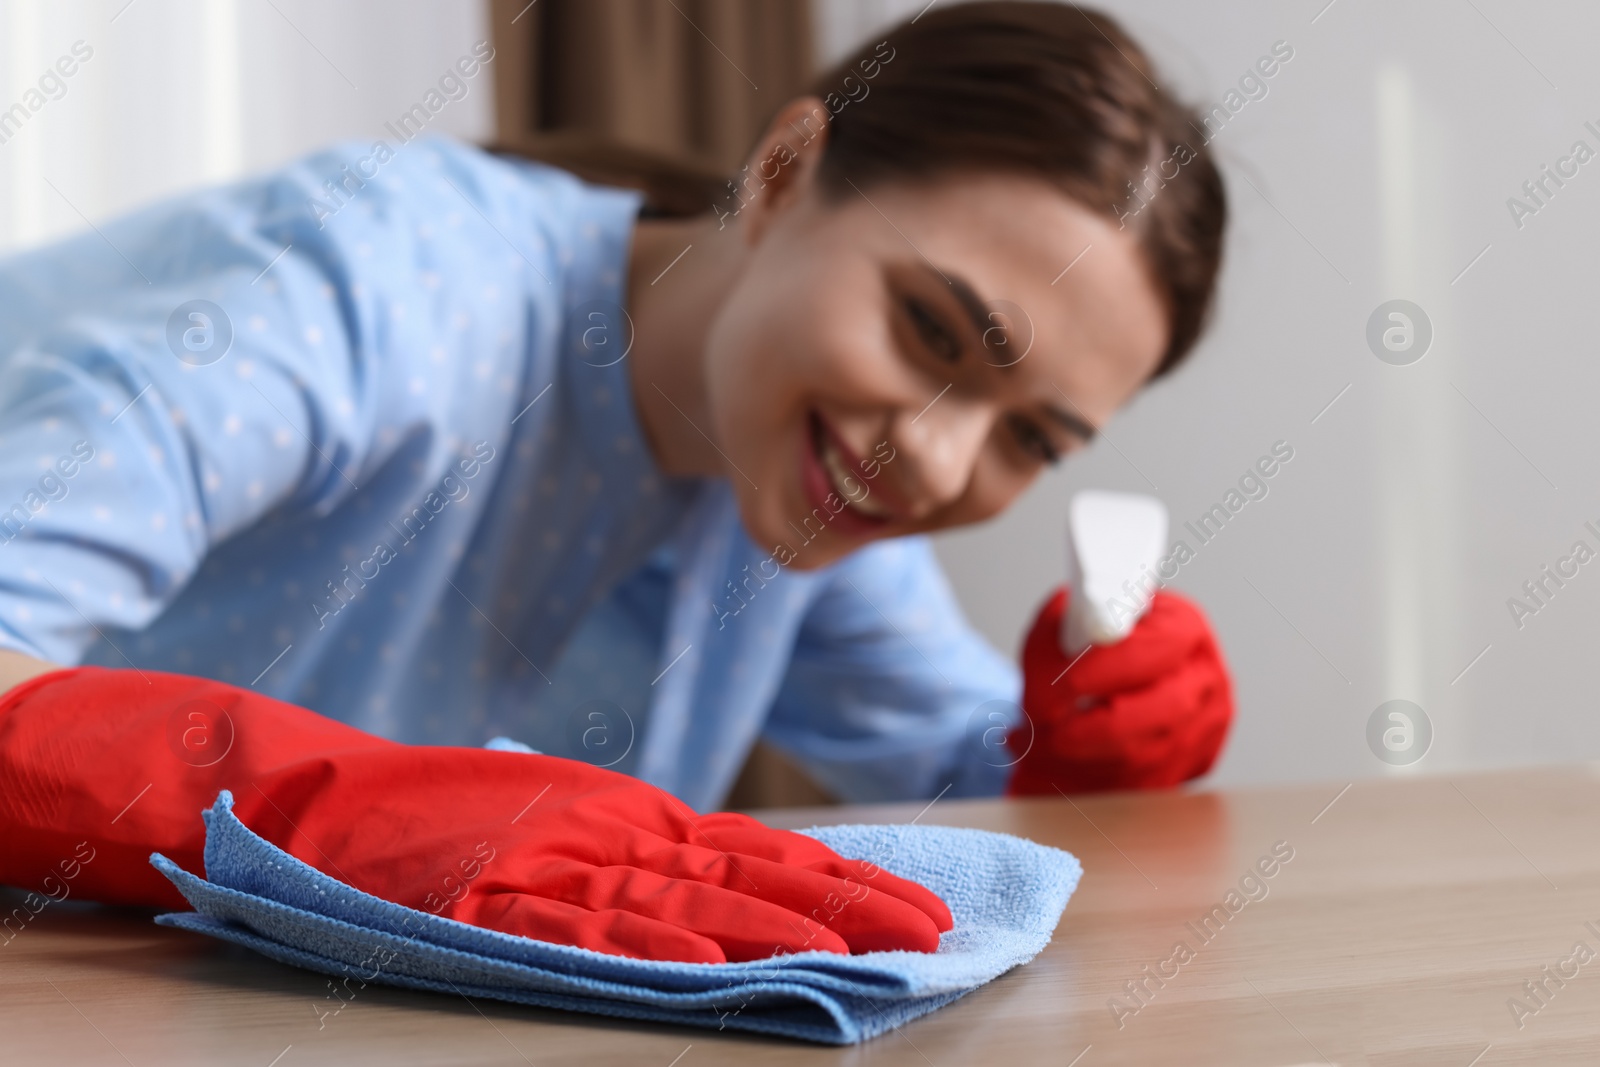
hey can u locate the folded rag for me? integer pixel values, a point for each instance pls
(1006, 895)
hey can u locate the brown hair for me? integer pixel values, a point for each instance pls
(1044, 88)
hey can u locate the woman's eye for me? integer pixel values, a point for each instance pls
(939, 340)
(1034, 440)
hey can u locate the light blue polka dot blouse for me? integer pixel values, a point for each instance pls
(359, 434)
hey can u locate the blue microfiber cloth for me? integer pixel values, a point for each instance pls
(1006, 895)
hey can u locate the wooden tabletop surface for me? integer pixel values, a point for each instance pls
(1403, 929)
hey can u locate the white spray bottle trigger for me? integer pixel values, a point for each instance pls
(1114, 543)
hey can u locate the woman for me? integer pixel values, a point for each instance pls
(377, 433)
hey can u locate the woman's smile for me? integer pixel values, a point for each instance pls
(828, 468)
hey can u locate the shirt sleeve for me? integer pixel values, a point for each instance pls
(170, 378)
(890, 693)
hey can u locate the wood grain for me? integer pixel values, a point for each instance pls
(1413, 910)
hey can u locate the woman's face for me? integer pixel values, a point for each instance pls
(909, 357)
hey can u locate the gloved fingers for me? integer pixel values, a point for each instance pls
(1174, 704)
(732, 832)
(744, 927)
(1169, 633)
(1162, 734)
(1192, 739)
(1124, 723)
(915, 894)
(867, 920)
(615, 931)
(743, 835)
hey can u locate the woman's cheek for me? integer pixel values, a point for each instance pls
(996, 482)
(735, 349)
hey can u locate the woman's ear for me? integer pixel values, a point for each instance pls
(782, 167)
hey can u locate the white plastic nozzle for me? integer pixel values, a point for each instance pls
(1114, 543)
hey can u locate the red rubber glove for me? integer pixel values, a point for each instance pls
(547, 848)
(1150, 711)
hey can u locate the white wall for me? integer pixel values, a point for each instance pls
(182, 92)
(1378, 166)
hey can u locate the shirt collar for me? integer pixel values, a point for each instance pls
(596, 342)
(595, 376)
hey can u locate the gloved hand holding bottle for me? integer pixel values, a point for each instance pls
(1125, 688)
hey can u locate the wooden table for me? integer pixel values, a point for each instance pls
(1413, 910)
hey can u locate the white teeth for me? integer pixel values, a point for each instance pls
(840, 476)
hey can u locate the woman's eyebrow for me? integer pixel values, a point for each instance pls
(1073, 420)
(1073, 423)
(984, 318)
(977, 311)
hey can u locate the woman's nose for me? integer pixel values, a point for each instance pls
(938, 448)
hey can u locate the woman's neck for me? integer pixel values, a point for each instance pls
(679, 272)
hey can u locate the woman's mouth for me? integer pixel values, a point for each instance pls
(828, 468)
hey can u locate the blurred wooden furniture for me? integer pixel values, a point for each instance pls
(769, 779)
(662, 95)
(1413, 910)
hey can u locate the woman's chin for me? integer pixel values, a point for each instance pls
(791, 547)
